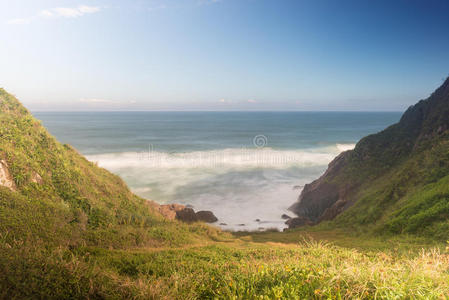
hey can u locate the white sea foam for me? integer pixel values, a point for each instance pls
(235, 158)
(345, 147)
(238, 185)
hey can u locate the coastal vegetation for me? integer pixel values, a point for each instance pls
(393, 182)
(69, 229)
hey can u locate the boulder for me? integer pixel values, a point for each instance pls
(186, 215)
(206, 216)
(285, 217)
(169, 210)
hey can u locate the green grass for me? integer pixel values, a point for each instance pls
(81, 233)
(410, 198)
(235, 269)
(396, 181)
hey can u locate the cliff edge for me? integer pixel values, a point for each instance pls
(405, 156)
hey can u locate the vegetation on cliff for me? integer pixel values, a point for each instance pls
(61, 201)
(69, 229)
(395, 181)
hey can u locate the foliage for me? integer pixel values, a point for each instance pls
(74, 230)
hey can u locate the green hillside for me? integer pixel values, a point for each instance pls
(72, 230)
(395, 181)
(60, 201)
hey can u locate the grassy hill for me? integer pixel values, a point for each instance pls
(60, 201)
(393, 182)
(71, 230)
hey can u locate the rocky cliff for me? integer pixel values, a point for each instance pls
(411, 144)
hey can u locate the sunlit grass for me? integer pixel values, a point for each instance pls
(82, 234)
(242, 270)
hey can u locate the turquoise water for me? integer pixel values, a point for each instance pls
(241, 165)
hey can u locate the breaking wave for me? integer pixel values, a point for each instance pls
(226, 158)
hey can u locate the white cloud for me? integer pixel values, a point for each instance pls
(46, 13)
(67, 12)
(88, 9)
(95, 100)
(99, 101)
(70, 12)
(63, 12)
(252, 101)
(226, 101)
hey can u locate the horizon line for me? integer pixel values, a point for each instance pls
(163, 110)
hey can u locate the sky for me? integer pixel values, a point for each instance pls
(223, 54)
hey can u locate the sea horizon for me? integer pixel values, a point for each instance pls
(243, 166)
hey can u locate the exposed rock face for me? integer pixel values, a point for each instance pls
(186, 215)
(320, 195)
(373, 157)
(6, 179)
(206, 216)
(169, 210)
(36, 178)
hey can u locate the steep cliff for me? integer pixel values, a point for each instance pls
(373, 183)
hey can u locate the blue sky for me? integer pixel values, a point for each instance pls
(223, 54)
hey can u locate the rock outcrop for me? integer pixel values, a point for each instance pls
(169, 210)
(187, 215)
(36, 178)
(6, 179)
(420, 129)
(321, 194)
(206, 216)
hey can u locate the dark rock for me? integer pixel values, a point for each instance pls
(223, 224)
(169, 210)
(186, 215)
(240, 224)
(319, 195)
(189, 206)
(298, 222)
(257, 220)
(373, 157)
(206, 216)
(285, 217)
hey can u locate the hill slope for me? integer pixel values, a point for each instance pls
(52, 200)
(394, 181)
(71, 230)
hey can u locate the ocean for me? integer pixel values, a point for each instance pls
(246, 167)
